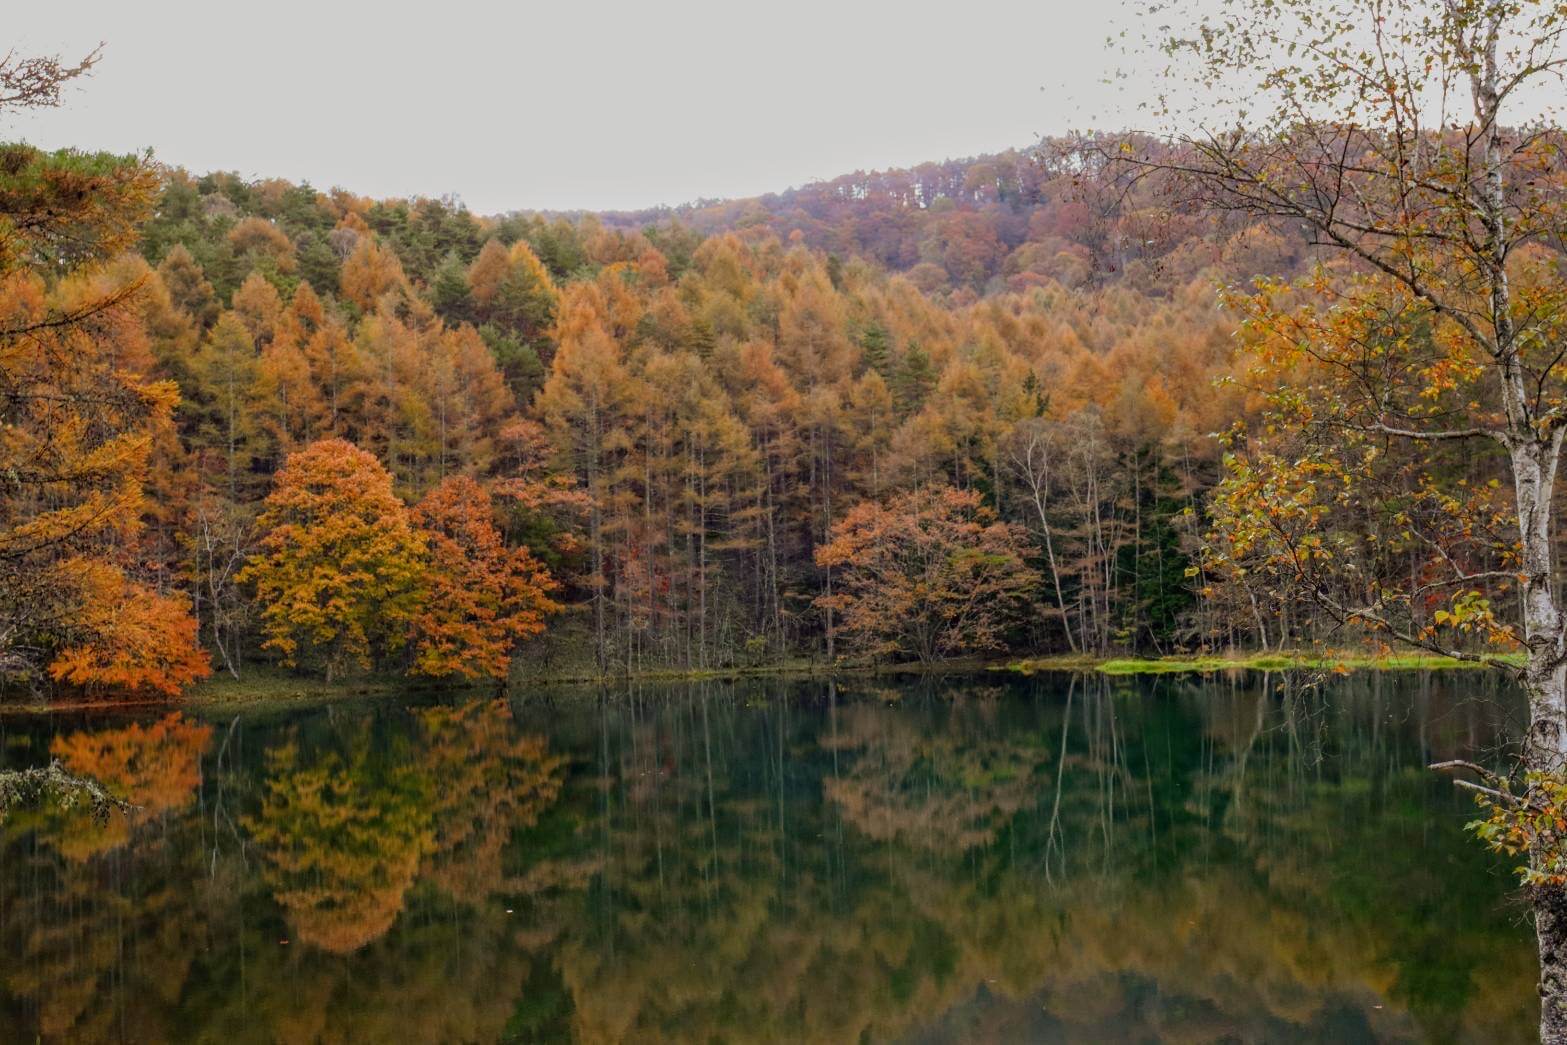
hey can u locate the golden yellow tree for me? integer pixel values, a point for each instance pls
(341, 568)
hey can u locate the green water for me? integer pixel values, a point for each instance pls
(1049, 859)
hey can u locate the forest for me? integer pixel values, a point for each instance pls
(1102, 395)
(395, 436)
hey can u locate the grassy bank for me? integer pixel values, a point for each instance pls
(1286, 661)
(271, 688)
(266, 689)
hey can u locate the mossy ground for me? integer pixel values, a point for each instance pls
(1285, 661)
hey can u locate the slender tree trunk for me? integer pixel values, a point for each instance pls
(596, 537)
(701, 556)
(1547, 753)
(1038, 477)
(827, 533)
(1534, 472)
(1535, 451)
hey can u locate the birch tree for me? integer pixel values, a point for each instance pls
(1412, 143)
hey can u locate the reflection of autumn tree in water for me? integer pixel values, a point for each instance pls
(342, 838)
(1341, 814)
(490, 780)
(446, 972)
(98, 921)
(1314, 915)
(929, 788)
(732, 905)
(156, 768)
(1221, 864)
(175, 934)
(106, 957)
(441, 961)
(346, 832)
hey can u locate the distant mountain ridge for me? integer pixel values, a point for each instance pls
(1009, 221)
(1003, 221)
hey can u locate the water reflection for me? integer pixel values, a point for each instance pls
(1053, 859)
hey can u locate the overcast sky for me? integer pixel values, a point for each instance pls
(568, 103)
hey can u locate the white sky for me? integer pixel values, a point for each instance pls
(567, 103)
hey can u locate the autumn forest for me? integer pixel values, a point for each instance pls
(712, 579)
(343, 434)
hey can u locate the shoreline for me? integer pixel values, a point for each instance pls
(270, 690)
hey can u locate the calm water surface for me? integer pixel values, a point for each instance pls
(1052, 859)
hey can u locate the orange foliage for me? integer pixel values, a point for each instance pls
(134, 638)
(931, 573)
(370, 272)
(156, 768)
(342, 841)
(493, 782)
(483, 598)
(79, 425)
(261, 237)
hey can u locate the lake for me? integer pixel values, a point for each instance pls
(1058, 858)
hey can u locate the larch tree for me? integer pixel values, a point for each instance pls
(287, 407)
(482, 598)
(227, 369)
(1413, 143)
(188, 286)
(583, 407)
(370, 272)
(259, 305)
(79, 417)
(337, 367)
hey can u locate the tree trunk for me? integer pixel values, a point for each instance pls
(1545, 754)
(1534, 464)
(1535, 451)
(1550, 927)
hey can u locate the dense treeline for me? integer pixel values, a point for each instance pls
(662, 431)
(709, 410)
(1011, 221)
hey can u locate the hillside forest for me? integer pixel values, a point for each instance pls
(971, 408)
(394, 435)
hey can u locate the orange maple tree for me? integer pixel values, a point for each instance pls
(482, 597)
(342, 565)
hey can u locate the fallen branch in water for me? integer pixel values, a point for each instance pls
(34, 787)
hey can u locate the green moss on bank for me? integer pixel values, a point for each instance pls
(272, 688)
(1262, 662)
